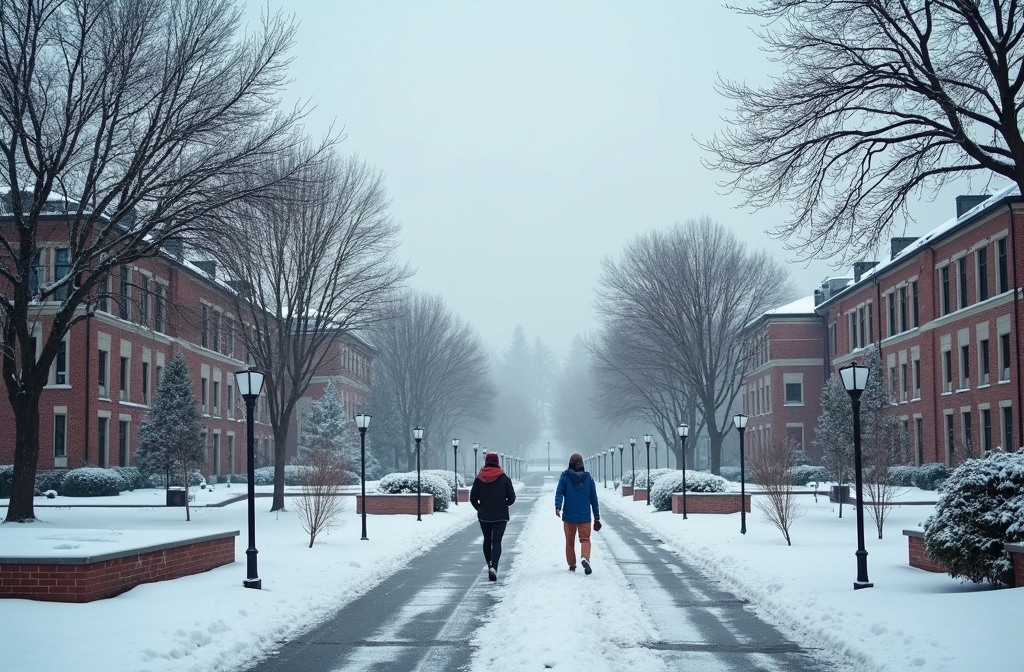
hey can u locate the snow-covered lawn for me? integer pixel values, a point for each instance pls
(909, 620)
(205, 622)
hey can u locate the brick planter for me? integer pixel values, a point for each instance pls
(709, 502)
(1017, 553)
(627, 491)
(918, 556)
(89, 578)
(378, 503)
(639, 495)
(463, 494)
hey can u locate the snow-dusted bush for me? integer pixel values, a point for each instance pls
(195, 479)
(91, 482)
(405, 482)
(265, 475)
(447, 476)
(805, 473)
(131, 476)
(6, 480)
(733, 474)
(696, 481)
(902, 475)
(50, 480)
(641, 476)
(627, 478)
(979, 511)
(928, 475)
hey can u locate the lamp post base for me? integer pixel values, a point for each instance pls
(857, 585)
(253, 583)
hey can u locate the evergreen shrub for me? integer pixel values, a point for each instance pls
(405, 482)
(447, 476)
(6, 480)
(131, 476)
(696, 481)
(980, 510)
(91, 482)
(806, 473)
(641, 476)
(928, 475)
(52, 479)
(902, 475)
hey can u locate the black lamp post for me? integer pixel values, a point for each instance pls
(362, 424)
(683, 430)
(855, 379)
(604, 468)
(647, 440)
(417, 433)
(249, 384)
(622, 465)
(476, 447)
(632, 459)
(611, 455)
(455, 468)
(740, 421)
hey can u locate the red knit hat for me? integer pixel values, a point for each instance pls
(491, 458)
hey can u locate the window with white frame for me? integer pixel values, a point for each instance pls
(794, 388)
(965, 367)
(60, 432)
(1004, 357)
(947, 371)
(983, 362)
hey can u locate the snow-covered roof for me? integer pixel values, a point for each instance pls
(798, 307)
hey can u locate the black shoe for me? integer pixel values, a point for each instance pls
(572, 568)
(586, 566)
(492, 574)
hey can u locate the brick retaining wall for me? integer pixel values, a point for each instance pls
(917, 554)
(709, 502)
(627, 491)
(93, 578)
(379, 503)
(639, 495)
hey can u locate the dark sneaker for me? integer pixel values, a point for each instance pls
(586, 566)
(573, 568)
(492, 574)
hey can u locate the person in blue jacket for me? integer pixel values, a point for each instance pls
(578, 493)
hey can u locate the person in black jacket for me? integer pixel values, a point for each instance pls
(491, 495)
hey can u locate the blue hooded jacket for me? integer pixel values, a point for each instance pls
(577, 490)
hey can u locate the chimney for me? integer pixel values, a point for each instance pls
(861, 267)
(819, 297)
(208, 267)
(897, 245)
(965, 203)
(175, 248)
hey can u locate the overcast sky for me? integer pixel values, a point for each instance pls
(525, 141)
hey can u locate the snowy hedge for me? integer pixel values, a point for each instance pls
(641, 476)
(195, 479)
(50, 480)
(131, 476)
(447, 476)
(979, 511)
(91, 482)
(6, 480)
(627, 478)
(930, 476)
(696, 481)
(807, 473)
(405, 482)
(265, 475)
(903, 475)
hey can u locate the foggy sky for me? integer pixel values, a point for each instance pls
(525, 141)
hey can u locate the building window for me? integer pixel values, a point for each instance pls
(890, 299)
(982, 257)
(983, 362)
(216, 331)
(103, 295)
(231, 401)
(914, 304)
(203, 327)
(1008, 428)
(60, 365)
(947, 371)
(904, 382)
(123, 308)
(33, 273)
(159, 374)
(794, 393)
(949, 438)
(216, 398)
(986, 429)
(1004, 356)
(60, 270)
(145, 383)
(101, 441)
(101, 375)
(903, 308)
(853, 331)
(919, 438)
(1002, 270)
(944, 286)
(892, 382)
(144, 301)
(961, 281)
(229, 328)
(124, 379)
(60, 435)
(965, 366)
(917, 379)
(202, 392)
(158, 310)
(122, 443)
(216, 454)
(968, 431)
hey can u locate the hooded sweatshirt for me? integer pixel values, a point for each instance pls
(578, 493)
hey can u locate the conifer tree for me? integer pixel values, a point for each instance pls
(171, 439)
(834, 433)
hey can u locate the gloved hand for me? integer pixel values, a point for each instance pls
(597, 524)
(558, 513)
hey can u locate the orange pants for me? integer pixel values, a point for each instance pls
(571, 529)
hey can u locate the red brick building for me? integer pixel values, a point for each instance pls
(943, 311)
(103, 382)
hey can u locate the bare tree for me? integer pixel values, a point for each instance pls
(685, 295)
(320, 502)
(123, 126)
(877, 102)
(431, 370)
(310, 265)
(772, 467)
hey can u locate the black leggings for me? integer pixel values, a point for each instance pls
(493, 532)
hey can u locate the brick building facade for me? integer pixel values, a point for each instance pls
(103, 382)
(944, 313)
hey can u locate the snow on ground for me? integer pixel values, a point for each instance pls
(547, 618)
(910, 620)
(206, 622)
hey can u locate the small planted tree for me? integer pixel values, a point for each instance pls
(323, 463)
(834, 433)
(171, 438)
(772, 467)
